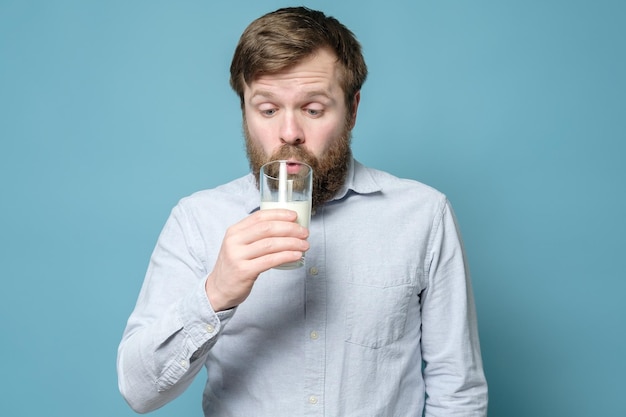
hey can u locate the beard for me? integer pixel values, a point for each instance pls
(329, 170)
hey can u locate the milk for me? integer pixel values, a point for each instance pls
(303, 208)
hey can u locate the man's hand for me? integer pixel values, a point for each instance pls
(263, 240)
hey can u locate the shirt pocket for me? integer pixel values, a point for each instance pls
(377, 304)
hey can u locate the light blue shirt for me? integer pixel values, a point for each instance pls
(379, 322)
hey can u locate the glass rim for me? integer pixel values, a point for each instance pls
(287, 161)
(309, 170)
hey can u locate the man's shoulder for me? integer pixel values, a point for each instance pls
(390, 183)
(236, 193)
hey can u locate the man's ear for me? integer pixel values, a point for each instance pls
(355, 107)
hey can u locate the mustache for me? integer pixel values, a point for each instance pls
(296, 152)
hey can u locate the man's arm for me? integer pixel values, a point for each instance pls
(181, 309)
(453, 375)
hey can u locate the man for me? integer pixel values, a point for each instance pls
(379, 322)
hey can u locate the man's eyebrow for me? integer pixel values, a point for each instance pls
(261, 93)
(319, 93)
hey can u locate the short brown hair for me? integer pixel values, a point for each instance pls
(283, 38)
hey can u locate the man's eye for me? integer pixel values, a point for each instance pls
(314, 112)
(268, 112)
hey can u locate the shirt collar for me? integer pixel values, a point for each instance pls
(359, 180)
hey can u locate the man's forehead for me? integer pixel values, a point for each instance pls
(322, 63)
(315, 77)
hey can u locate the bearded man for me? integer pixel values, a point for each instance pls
(381, 319)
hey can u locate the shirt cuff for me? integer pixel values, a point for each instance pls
(200, 322)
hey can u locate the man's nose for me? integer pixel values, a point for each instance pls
(291, 129)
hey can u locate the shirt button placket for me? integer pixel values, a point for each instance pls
(315, 321)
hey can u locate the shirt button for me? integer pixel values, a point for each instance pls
(314, 270)
(184, 363)
(314, 335)
(210, 328)
(312, 399)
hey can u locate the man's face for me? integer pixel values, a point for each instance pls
(300, 114)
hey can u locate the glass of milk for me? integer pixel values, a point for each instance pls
(287, 184)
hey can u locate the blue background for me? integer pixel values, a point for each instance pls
(111, 111)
